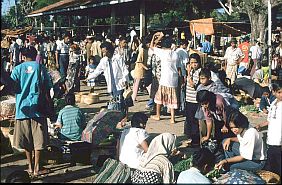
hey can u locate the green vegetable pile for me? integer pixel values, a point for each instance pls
(248, 108)
(213, 174)
(108, 141)
(183, 165)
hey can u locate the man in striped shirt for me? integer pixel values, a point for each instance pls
(71, 120)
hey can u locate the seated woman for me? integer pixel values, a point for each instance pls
(133, 142)
(154, 165)
(71, 120)
(247, 151)
(203, 162)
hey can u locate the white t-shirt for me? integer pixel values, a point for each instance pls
(255, 52)
(183, 59)
(252, 146)
(169, 65)
(130, 148)
(232, 55)
(192, 176)
(274, 118)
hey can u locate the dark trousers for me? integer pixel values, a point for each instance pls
(191, 126)
(273, 162)
(63, 64)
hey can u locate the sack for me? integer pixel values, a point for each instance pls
(113, 171)
(127, 93)
(239, 176)
(146, 177)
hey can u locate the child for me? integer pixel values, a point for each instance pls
(274, 122)
(90, 69)
(266, 99)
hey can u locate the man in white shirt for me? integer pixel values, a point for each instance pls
(133, 144)
(183, 60)
(233, 56)
(62, 56)
(256, 56)
(115, 72)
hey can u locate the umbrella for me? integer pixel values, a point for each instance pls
(249, 86)
(99, 127)
(239, 176)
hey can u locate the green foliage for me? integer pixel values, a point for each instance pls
(213, 174)
(183, 164)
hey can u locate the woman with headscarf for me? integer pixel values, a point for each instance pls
(154, 165)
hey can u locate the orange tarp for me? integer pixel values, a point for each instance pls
(203, 26)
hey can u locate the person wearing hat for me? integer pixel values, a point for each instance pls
(256, 56)
(233, 56)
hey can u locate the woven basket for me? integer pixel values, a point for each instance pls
(8, 107)
(6, 126)
(77, 97)
(269, 177)
(91, 98)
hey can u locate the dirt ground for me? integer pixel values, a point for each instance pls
(64, 173)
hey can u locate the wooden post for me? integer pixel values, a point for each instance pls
(194, 32)
(142, 19)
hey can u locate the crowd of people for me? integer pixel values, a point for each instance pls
(177, 82)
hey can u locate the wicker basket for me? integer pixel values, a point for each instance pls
(77, 97)
(82, 96)
(8, 107)
(269, 177)
(91, 98)
(6, 126)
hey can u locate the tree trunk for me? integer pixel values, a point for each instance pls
(258, 25)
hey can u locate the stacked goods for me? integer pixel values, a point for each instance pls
(8, 106)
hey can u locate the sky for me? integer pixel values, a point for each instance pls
(6, 5)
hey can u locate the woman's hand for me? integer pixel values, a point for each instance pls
(221, 164)
(205, 138)
(226, 144)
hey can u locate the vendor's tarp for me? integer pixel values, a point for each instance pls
(249, 86)
(203, 26)
(99, 127)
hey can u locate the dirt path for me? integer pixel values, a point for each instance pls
(63, 173)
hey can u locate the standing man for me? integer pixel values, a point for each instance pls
(233, 56)
(62, 56)
(206, 46)
(183, 60)
(31, 132)
(88, 48)
(256, 56)
(115, 72)
(245, 47)
(14, 53)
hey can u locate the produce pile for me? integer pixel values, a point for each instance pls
(59, 104)
(248, 108)
(185, 164)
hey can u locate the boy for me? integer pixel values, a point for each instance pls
(274, 123)
(266, 99)
(70, 120)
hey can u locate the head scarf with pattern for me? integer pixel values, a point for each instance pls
(163, 144)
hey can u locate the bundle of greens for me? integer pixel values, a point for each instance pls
(213, 174)
(59, 104)
(183, 165)
(248, 108)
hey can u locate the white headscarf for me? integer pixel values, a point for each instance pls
(163, 144)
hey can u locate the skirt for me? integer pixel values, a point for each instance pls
(231, 72)
(167, 96)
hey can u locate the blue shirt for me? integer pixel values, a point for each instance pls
(26, 75)
(207, 47)
(73, 123)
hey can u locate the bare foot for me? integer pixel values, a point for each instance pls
(172, 121)
(155, 117)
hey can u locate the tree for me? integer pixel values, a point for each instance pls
(257, 13)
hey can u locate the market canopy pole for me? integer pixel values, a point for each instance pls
(269, 38)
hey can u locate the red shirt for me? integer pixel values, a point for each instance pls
(245, 46)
